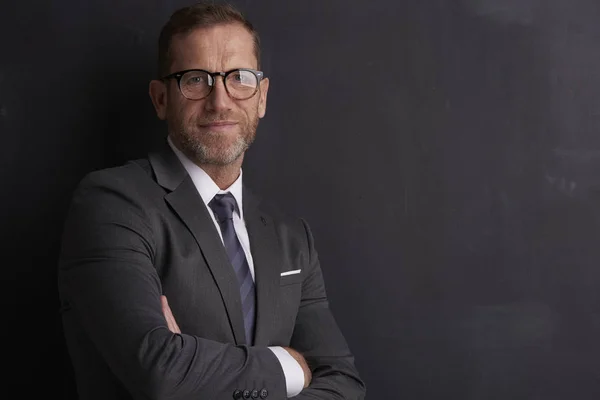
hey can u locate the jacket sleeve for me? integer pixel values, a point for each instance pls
(108, 282)
(318, 337)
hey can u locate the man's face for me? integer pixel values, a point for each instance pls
(217, 129)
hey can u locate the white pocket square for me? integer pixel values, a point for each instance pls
(286, 273)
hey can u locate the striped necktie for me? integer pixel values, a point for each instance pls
(223, 206)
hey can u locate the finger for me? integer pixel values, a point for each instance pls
(171, 323)
(166, 310)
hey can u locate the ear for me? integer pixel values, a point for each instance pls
(158, 94)
(262, 101)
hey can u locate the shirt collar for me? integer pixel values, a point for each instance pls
(207, 188)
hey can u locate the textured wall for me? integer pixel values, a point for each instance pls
(445, 153)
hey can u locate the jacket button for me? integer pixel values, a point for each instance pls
(237, 394)
(246, 394)
(264, 394)
(254, 394)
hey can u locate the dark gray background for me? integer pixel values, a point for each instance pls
(446, 154)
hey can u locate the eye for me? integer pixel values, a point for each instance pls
(194, 79)
(242, 79)
(237, 76)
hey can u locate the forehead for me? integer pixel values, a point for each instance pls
(217, 48)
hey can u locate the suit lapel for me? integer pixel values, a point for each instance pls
(187, 204)
(267, 260)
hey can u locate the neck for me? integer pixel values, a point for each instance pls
(223, 175)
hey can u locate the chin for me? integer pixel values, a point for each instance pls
(220, 155)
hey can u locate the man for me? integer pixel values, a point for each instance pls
(176, 282)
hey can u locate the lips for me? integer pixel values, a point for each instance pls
(215, 124)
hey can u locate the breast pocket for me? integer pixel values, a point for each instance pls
(291, 277)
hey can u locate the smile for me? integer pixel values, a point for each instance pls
(219, 126)
(219, 123)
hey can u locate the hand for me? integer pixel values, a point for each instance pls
(300, 359)
(171, 323)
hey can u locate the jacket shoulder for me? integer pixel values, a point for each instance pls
(132, 172)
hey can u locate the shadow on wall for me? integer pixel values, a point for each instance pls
(108, 119)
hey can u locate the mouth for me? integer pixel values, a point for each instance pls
(218, 124)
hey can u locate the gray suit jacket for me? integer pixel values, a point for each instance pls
(138, 231)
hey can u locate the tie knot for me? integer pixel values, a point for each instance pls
(223, 206)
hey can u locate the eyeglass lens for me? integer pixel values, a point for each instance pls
(240, 84)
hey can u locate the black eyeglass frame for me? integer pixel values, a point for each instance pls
(179, 74)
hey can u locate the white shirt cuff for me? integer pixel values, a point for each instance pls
(294, 375)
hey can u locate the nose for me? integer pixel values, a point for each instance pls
(219, 99)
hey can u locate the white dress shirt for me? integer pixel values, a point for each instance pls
(207, 188)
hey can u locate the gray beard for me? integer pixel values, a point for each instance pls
(203, 154)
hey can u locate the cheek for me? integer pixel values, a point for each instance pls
(253, 111)
(172, 107)
(181, 113)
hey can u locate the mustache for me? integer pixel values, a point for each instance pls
(207, 119)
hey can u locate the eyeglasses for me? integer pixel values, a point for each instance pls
(196, 84)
